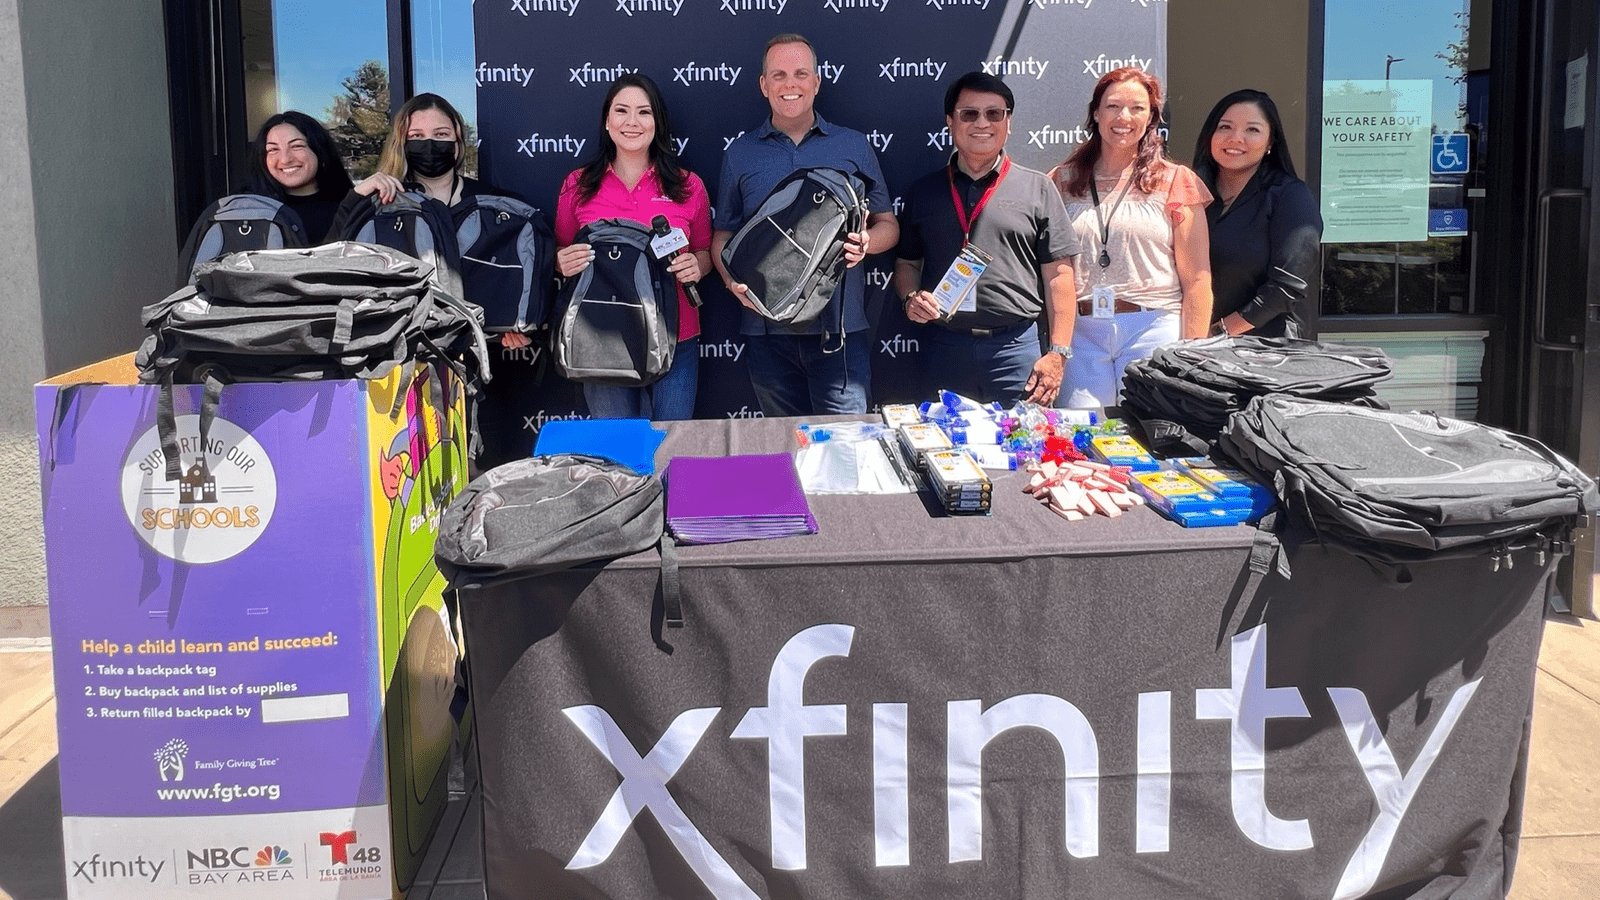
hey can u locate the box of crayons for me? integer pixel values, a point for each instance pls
(1122, 450)
(1184, 500)
(1234, 486)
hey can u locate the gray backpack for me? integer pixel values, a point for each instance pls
(790, 252)
(616, 322)
(240, 222)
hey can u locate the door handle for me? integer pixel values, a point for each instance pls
(1542, 263)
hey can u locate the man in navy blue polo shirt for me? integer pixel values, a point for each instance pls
(820, 366)
(989, 347)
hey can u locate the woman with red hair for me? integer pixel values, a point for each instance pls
(1144, 276)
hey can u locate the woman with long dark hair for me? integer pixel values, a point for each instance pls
(1265, 226)
(294, 160)
(1144, 276)
(635, 174)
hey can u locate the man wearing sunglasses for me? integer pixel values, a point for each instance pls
(821, 366)
(981, 213)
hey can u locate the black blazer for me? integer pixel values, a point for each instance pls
(1265, 250)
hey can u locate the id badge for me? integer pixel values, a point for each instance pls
(957, 289)
(1105, 302)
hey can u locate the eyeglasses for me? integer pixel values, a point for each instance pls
(994, 114)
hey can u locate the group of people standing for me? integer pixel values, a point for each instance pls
(1110, 255)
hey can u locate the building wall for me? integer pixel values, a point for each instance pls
(86, 190)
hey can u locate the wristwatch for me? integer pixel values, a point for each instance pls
(1062, 349)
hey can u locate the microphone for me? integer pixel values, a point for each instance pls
(667, 244)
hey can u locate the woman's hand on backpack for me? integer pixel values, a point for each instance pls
(573, 258)
(387, 187)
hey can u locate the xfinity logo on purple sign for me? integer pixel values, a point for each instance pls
(734, 7)
(589, 74)
(787, 720)
(629, 7)
(896, 69)
(692, 74)
(565, 7)
(1049, 136)
(1100, 65)
(534, 144)
(1002, 66)
(513, 74)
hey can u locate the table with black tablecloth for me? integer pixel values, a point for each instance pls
(909, 705)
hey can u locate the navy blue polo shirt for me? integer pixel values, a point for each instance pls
(754, 164)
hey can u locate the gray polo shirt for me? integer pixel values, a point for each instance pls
(1023, 226)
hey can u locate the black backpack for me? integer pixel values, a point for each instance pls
(507, 261)
(790, 252)
(416, 225)
(240, 222)
(616, 322)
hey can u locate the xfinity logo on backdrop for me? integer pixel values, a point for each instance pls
(1002, 66)
(1101, 65)
(589, 73)
(1041, 4)
(899, 205)
(728, 141)
(952, 4)
(512, 74)
(561, 6)
(840, 6)
(829, 72)
(1052, 136)
(734, 7)
(693, 74)
(896, 69)
(534, 144)
(940, 140)
(898, 345)
(629, 7)
(786, 721)
(725, 350)
(880, 140)
(537, 421)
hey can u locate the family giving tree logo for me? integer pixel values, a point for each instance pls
(218, 507)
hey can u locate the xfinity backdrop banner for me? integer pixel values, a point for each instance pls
(544, 65)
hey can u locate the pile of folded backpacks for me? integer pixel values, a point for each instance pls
(1408, 486)
(1183, 394)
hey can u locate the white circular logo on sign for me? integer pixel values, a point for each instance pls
(221, 502)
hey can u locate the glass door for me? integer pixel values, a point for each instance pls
(1563, 349)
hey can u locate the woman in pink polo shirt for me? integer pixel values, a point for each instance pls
(635, 174)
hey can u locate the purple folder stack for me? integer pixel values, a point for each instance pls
(712, 499)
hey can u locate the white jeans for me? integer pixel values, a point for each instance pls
(1102, 348)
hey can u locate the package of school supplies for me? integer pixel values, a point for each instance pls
(1230, 483)
(921, 438)
(1186, 501)
(1122, 450)
(958, 481)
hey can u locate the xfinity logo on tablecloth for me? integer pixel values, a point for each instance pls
(693, 73)
(787, 721)
(515, 73)
(565, 7)
(591, 74)
(1102, 64)
(896, 69)
(535, 144)
(221, 504)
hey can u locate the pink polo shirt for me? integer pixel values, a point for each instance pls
(642, 204)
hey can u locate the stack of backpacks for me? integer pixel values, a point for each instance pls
(1183, 394)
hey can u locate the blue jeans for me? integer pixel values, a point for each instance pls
(792, 376)
(668, 399)
(984, 368)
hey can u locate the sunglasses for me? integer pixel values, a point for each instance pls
(993, 114)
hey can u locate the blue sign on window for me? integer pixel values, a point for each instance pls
(1450, 154)
(1447, 222)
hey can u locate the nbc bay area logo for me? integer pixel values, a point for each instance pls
(219, 506)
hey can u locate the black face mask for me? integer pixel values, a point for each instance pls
(430, 158)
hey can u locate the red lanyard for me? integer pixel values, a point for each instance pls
(955, 196)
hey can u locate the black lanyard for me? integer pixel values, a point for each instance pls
(1105, 220)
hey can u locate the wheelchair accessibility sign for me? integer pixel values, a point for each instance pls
(1449, 154)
